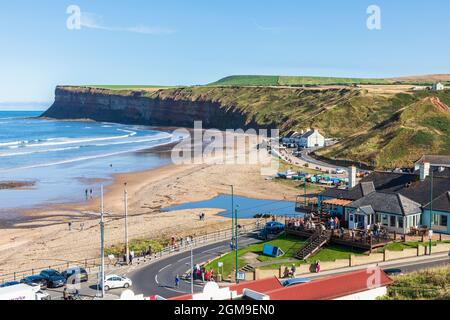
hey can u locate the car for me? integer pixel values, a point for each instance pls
(73, 274)
(35, 280)
(9, 284)
(340, 171)
(393, 272)
(274, 227)
(54, 278)
(293, 282)
(116, 282)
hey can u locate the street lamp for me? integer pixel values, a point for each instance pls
(237, 244)
(430, 234)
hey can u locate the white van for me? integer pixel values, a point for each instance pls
(23, 292)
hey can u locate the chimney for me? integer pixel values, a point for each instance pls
(424, 170)
(352, 177)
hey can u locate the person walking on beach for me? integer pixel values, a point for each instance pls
(91, 194)
(70, 226)
(86, 191)
(81, 227)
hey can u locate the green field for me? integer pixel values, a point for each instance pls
(293, 81)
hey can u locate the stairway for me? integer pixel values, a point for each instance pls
(314, 244)
(247, 268)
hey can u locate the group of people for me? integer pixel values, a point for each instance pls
(290, 272)
(202, 216)
(200, 273)
(306, 223)
(333, 223)
(89, 194)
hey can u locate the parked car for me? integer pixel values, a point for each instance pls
(340, 171)
(54, 278)
(393, 272)
(116, 282)
(274, 227)
(72, 274)
(36, 280)
(293, 282)
(9, 284)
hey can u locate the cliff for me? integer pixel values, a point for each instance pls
(381, 129)
(141, 107)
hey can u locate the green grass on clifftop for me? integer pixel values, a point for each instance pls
(293, 81)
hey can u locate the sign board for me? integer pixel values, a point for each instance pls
(241, 275)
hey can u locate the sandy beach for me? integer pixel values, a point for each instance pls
(42, 238)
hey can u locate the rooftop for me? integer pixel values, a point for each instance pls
(388, 203)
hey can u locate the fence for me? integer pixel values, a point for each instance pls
(92, 265)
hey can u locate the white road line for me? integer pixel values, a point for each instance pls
(156, 280)
(165, 268)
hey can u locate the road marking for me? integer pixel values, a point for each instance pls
(165, 268)
(214, 249)
(156, 279)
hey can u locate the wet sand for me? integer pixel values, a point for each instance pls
(41, 238)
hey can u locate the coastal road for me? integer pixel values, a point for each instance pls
(159, 278)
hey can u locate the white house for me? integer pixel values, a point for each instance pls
(438, 86)
(311, 139)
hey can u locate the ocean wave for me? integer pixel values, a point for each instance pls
(79, 159)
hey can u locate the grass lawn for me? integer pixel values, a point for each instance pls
(290, 245)
(399, 246)
(424, 285)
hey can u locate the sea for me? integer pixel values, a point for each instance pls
(62, 159)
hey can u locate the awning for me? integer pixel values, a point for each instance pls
(337, 202)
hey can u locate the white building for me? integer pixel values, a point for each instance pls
(311, 139)
(438, 86)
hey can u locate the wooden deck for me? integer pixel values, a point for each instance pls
(357, 242)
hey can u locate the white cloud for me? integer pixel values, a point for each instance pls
(95, 21)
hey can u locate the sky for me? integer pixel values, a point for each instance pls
(187, 42)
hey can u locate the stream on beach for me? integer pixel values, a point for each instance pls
(247, 207)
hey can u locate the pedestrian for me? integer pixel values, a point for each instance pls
(91, 194)
(131, 258)
(231, 245)
(317, 266)
(81, 227)
(86, 191)
(293, 270)
(177, 281)
(70, 226)
(65, 294)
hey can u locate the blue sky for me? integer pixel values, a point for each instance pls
(188, 42)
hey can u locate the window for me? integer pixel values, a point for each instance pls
(444, 221)
(392, 221)
(385, 220)
(400, 222)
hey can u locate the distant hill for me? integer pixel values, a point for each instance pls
(383, 128)
(254, 80)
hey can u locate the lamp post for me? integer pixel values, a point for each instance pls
(127, 247)
(237, 244)
(102, 239)
(232, 213)
(430, 235)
